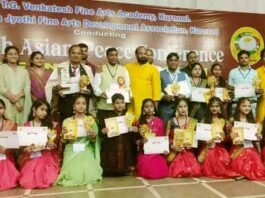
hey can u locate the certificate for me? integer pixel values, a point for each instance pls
(199, 94)
(32, 135)
(71, 126)
(156, 145)
(71, 88)
(116, 126)
(244, 90)
(184, 136)
(114, 89)
(249, 130)
(64, 75)
(178, 88)
(9, 139)
(219, 92)
(203, 132)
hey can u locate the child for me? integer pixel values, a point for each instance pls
(182, 161)
(245, 158)
(81, 161)
(116, 153)
(151, 166)
(9, 174)
(216, 71)
(197, 108)
(213, 156)
(40, 166)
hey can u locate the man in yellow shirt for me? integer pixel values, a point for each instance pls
(261, 100)
(145, 81)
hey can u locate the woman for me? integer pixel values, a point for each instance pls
(15, 87)
(38, 76)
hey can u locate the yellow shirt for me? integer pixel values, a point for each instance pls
(145, 83)
(261, 101)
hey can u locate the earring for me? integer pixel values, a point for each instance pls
(73, 111)
(34, 114)
(143, 113)
(154, 113)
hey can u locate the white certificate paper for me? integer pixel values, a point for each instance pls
(244, 90)
(116, 126)
(203, 132)
(114, 89)
(156, 145)
(32, 135)
(9, 139)
(249, 130)
(197, 94)
(219, 93)
(64, 76)
(183, 89)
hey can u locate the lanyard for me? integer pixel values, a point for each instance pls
(243, 74)
(112, 75)
(172, 75)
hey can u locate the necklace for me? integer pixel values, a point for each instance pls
(185, 123)
(33, 124)
(196, 84)
(111, 74)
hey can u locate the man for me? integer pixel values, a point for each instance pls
(261, 101)
(150, 58)
(113, 74)
(84, 61)
(71, 71)
(145, 81)
(192, 58)
(243, 74)
(169, 76)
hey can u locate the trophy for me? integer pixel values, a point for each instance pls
(84, 82)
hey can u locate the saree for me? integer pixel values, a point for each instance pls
(38, 83)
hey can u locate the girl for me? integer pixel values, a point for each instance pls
(151, 166)
(216, 71)
(116, 153)
(81, 162)
(197, 108)
(9, 174)
(245, 158)
(14, 87)
(38, 76)
(40, 166)
(182, 161)
(213, 156)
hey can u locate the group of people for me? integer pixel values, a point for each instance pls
(36, 97)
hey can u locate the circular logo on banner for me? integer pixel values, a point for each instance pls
(249, 39)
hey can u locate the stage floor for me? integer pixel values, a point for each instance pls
(131, 187)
